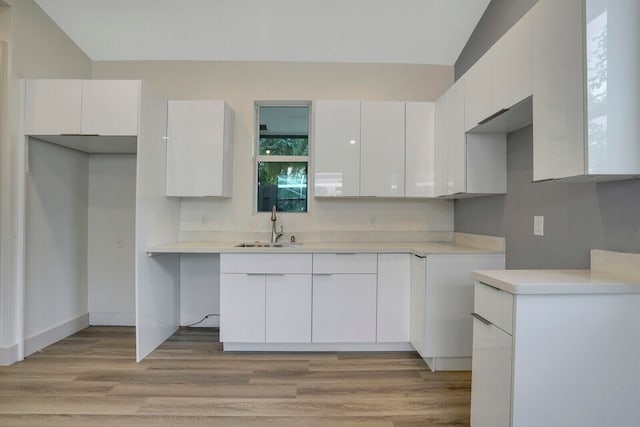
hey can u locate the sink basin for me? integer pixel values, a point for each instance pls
(267, 245)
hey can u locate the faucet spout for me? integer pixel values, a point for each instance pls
(275, 235)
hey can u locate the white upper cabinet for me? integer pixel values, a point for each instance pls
(82, 107)
(199, 149)
(359, 148)
(110, 107)
(467, 164)
(382, 150)
(456, 138)
(586, 91)
(511, 66)
(419, 149)
(337, 148)
(53, 107)
(441, 167)
(478, 105)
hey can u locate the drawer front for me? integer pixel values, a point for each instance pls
(266, 263)
(345, 263)
(494, 305)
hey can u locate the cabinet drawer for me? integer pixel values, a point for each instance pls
(346, 263)
(266, 263)
(494, 305)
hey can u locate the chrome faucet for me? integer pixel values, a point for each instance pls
(275, 235)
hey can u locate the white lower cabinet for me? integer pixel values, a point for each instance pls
(288, 308)
(418, 293)
(265, 298)
(491, 367)
(441, 300)
(394, 297)
(242, 307)
(344, 308)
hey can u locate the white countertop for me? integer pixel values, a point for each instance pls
(418, 248)
(532, 282)
(610, 273)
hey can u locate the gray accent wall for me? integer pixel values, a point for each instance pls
(577, 216)
(499, 16)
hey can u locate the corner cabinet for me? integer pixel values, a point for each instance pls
(467, 164)
(82, 107)
(586, 91)
(199, 149)
(441, 300)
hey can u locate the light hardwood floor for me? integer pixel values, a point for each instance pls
(92, 379)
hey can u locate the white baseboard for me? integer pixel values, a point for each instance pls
(448, 363)
(8, 355)
(54, 334)
(395, 346)
(112, 319)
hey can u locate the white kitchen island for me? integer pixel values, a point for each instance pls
(558, 348)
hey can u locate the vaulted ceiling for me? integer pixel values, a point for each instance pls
(364, 31)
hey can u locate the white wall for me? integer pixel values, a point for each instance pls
(199, 289)
(243, 83)
(111, 239)
(36, 48)
(56, 245)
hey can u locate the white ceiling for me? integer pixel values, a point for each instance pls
(376, 31)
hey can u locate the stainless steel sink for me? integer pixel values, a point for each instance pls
(267, 245)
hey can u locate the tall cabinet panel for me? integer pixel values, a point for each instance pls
(337, 148)
(382, 151)
(199, 149)
(419, 149)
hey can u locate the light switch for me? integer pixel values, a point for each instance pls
(538, 226)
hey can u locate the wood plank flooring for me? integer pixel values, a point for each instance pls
(92, 379)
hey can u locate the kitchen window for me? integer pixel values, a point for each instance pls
(282, 160)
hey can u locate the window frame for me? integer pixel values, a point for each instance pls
(258, 158)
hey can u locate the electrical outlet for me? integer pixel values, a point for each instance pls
(372, 219)
(538, 226)
(120, 242)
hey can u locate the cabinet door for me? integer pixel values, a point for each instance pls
(477, 89)
(110, 107)
(337, 148)
(195, 148)
(441, 166)
(449, 300)
(53, 107)
(491, 376)
(511, 66)
(242, 308)
(394, 295)
(288, 308)
(456, 139)
(418, 295)
(344, 308)
(382, 150)
(419, 149)
(558, 89)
